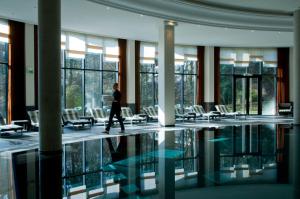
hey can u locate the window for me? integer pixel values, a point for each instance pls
(89, 68)
(185, 75)
(4, 32)
(148, 75)
(248, 80)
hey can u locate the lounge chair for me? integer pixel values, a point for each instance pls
(100, 116)
(34, 119)
(151, 113)
(285, 108)
(127, 114)
(181, 115)
(70, 116)
(200, 112)
(224, 111)
(8, 127)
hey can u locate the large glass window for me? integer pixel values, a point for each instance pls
(185, 75)
(4, 32)
(148, 75)
(248, 80)
(89, 68)
(185, 83)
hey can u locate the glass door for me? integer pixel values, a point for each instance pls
(253, 96)
(240, 95)
(247, 96)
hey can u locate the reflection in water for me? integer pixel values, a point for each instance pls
(49, 175)
(296, 162)
(160, 163)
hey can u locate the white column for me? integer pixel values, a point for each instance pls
(130, 71)
(29, 64)
(209, 78)
(166, 164)
(49, 75)
(132, 171)
(296, 76)
(166, 84)
(209, 151)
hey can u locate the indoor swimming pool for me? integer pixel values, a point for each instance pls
(202, 163)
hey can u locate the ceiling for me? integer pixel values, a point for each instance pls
(285, 6)
(109, 20)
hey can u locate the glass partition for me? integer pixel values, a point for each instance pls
(185, 72)
(90, 66)
(248, 80)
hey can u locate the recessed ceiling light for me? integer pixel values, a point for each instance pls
(252, 30)
(141, 15)
(107, 8)
(279, 32)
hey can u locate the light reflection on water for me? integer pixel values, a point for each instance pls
(130, 166)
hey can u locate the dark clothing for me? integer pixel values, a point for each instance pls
(115, 110)
(117, 96)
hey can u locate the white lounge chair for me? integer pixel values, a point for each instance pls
(34, 119)
(127, 114)
(8, 127)
(180, 114)
(100, 116)
(70, 116)
(199, 110)
(224, 111)
(151, 112)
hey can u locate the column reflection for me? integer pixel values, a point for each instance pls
(166, 166)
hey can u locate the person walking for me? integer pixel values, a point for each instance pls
(115, 109)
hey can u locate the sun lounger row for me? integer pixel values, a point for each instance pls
(100, 116)
(194, 112)
(69, 116)
(97, 115)
(152, 113)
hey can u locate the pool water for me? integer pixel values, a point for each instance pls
(246, 160)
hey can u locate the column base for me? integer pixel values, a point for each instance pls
(171, 125)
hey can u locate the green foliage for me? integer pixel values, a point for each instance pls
(73, 96)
